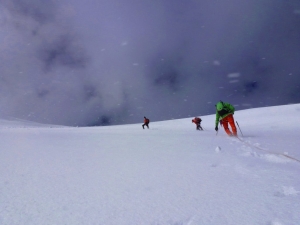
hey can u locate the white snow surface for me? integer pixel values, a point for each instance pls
(170, 174)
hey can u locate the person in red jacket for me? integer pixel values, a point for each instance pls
(197, 121)
(146, 122)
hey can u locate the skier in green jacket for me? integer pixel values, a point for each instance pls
(224, 114)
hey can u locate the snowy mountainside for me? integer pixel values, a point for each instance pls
(15, 123)
(170, 174)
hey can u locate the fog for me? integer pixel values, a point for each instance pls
(86, 63)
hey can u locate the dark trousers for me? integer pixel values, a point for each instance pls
(199, 127)
(145, 124)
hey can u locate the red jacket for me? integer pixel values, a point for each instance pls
(196, 120)
(146, 120)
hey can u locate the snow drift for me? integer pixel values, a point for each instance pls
(170, 174)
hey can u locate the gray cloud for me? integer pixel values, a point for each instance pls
(110, 62)
(63, 51)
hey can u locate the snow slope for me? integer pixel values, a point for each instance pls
(170, 174)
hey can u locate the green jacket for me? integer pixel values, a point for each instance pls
(227, 110)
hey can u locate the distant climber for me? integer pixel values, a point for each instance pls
(146, 122)
(197, 121)
(224, 114)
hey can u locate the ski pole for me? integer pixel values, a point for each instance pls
(239, 128)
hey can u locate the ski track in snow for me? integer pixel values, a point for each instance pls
(167, 175)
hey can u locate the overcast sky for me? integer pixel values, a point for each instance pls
(100, 62)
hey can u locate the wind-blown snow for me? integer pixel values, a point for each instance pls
(170, 174)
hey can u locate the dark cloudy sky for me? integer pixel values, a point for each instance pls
(100, 62)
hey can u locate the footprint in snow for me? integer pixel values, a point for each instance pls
(274, 223)
(287, 191)
(218, 149)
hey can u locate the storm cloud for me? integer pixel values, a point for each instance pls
(86, 63)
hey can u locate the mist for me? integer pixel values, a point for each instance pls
(113, 62)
